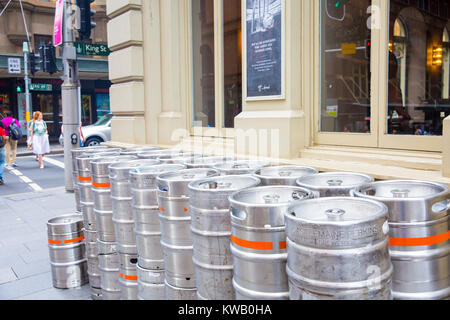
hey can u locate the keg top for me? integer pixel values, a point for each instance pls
(91, 151)
(208, 160)
(111, 159)
(334, 180)
(65, 224)
(132, 164)
(135, 151)
(287, 172)
(239, 165)
(65, 220)
(337, 210)
(269, 196)
(156, 169)
(224, 183)
(187, 175)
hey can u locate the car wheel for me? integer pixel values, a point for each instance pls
(94, 141)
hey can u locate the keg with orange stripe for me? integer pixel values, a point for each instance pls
(67, 251)
(175, 220)
(128, 277)
(419, 236)
(338, 250)
(258, 240)
(211, 231)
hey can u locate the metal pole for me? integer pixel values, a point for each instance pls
(26, 54)
(69, 95)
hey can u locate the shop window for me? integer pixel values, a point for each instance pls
(418, 89)
(345, 67)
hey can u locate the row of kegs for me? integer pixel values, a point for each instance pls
(163, 224)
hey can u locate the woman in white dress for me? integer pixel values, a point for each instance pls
(39, 138)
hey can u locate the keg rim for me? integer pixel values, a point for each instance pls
(258, 173)
(236, 203)
(445, 190)
(307, 184)
(167, 177)
(259, 163)
(202, 159)
(133, 164)
(194, 185)
(152, 170)
(112, 159)
(77, 218)
(381, 213)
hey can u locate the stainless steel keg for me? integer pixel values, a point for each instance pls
(258, 240)
(67, 251)
(159, 153)
(119, 175)
(136, 151)
(177, 293)
(338, 250)
(283, 175)
(101, 188)
(211, 232)
(128, 278)
(240, 166)
(108, 264)
(178, 158)
(206, 162)
(92, 260)
(334, 184)
(150, 284)
(175, 219)
(419, 236)
(146, 209)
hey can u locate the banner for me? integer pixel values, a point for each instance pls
(58, 26)
(264, 49)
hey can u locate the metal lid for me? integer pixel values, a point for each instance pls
(121, 170)
(175, 183)
(223, 183)
(280, 175)
(334, 183)
(420, 200)
(337, 222)
(241, 166)
(99, 166)
(135, 151)
(207, 162)
(269, 196)
(144, 177)
(65, 224)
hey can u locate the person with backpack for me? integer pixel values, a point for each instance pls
(13, 135)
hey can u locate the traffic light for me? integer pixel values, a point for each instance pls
(48, 58)
(86, 25)
(20, 86)
(368, 43)
(33, 64)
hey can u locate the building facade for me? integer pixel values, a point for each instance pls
(340, 85)
(46, 89)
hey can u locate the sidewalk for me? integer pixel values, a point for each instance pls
(25, 271)
(55, 148)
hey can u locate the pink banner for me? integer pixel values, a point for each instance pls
(57, 30)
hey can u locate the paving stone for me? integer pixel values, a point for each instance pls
(7, 275)
(26, 286)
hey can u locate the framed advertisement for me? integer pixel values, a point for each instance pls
(264, 50)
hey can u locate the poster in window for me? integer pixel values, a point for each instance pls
(264, 49)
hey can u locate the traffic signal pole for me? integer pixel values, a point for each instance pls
(69, 95)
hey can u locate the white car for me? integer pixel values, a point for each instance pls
(96, 133)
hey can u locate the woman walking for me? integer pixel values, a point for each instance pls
(39, 138)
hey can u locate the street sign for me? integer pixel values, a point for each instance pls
(92, 49)
(41, 87)
(14, 66)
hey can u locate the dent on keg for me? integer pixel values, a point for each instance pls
(334, 184)
(240, 166)
(258, 240)
(419, 235)
(283, 175)
(211, 231)
(338, 250)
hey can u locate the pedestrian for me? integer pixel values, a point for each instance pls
(39, 138)
(11, 143)
(2, 154)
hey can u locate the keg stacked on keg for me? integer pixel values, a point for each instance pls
(123, 219)
(259, 240)
(106, 240)
(67, 251)
(87, 208)
(211, 234)
(150, 266)
(176, 238)
(419, 236)
(338, 250)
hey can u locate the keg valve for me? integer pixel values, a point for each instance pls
(400, 193)
(335, 213)
(335, 183)
(271, 198)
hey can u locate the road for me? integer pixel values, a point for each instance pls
(27, 177)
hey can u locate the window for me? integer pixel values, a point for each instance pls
(345, 67)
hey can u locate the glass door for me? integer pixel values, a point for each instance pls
(216, 55)
(346, 115)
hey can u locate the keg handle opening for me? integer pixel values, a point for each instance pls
(440, 207)
(163, 188)
(335, 182)
(297, 196)
(238, 214)
(133, 261)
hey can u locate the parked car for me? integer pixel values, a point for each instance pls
(96, 133)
